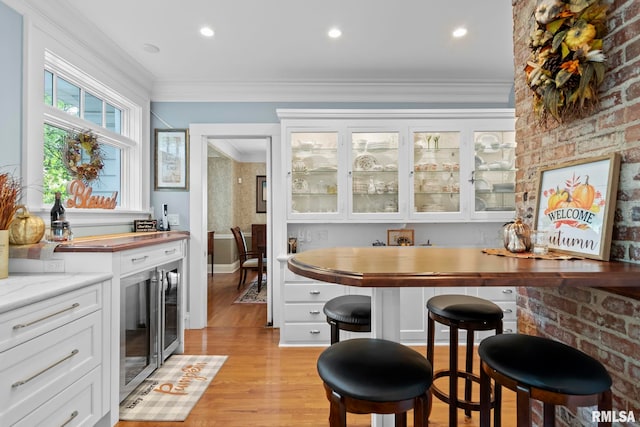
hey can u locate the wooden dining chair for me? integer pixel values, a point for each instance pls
(249, 260)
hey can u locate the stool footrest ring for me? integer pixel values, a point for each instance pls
(460, 403)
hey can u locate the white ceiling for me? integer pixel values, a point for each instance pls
(278, 50)
(261, 43)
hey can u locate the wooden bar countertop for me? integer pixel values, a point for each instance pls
(433, 266)
(120, 242)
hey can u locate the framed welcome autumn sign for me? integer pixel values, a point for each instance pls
(576, 203)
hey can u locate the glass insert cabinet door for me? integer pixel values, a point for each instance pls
(374, 172)
(314, 172)
(436, 172)
(494, 174)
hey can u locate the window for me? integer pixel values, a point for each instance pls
(76, 102)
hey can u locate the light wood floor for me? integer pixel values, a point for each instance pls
(262, 384)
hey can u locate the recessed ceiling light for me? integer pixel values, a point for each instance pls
(459, 32)
(207, 31)
(334, 33)
(151, 48)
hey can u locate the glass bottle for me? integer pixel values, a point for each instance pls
(57, 211)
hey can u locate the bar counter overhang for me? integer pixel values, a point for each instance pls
(412, 266)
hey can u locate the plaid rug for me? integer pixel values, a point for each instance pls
(171, 392)
(251, 294)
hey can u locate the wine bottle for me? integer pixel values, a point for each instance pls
(57, 211)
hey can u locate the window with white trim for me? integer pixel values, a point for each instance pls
(77, 102)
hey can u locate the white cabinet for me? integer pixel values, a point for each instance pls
(381, 166)
(52, 355)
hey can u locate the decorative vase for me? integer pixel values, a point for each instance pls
(4, 254)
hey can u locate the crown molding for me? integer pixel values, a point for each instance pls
(352, 91)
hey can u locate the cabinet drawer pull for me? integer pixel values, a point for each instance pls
(314, 331)
(71, 417)
(314, 292)
(170, 251)
(37, 374)
(507, 291)
(507, 310)
(314, 312)
(142, 258)
(508, 331)
(24, 325)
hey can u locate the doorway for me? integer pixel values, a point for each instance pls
(201, 135)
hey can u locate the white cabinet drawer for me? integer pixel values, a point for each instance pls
(77, 405)
(143, 258)
(498, 293)
(304, 313)
(311, 292)
(40, 368)
(22, 324)
(307, 333)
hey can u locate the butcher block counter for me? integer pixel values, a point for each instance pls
(120, 242)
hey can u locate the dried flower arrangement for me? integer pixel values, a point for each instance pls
(75, 144)
(567, 64)
(9, 194)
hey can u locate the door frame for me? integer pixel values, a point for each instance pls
(199, 135)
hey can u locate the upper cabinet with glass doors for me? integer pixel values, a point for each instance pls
(314, 173)
(432, 165)
(436, 172)
(375, 157)
(494, 174)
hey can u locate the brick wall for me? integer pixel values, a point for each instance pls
(602, 324)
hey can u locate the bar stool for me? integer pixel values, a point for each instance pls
(349, 313)
(374, 376)
(542, 369)
(471, 314)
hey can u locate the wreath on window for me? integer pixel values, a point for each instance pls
(77, 144)
(567, 64)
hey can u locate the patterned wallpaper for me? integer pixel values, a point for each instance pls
(230, 202)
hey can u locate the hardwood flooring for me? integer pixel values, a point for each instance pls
(264, 385)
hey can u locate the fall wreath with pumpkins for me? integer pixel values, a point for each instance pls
(75, 145)
(567, 63)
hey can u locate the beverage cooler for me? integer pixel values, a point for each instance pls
(149, 322)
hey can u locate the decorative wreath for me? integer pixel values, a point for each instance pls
(75, 145)
(567, 64)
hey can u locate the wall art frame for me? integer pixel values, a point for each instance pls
(576, 204)
(400, 237)
(261, 194)
(171, 160)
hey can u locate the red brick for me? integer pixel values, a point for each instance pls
(562, 304)
(611, 360)
(568, 337)
(604, 320)
(619, 306)
(620, 344)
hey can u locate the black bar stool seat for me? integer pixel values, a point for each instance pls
(348, 313)
(374, 376)
(468, 313)
(542, 369)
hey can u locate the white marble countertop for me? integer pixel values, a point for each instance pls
(20, 289)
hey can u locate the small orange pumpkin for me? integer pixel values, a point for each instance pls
(584, 194)
(25, 229)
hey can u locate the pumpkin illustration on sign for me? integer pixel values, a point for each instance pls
(576, 194)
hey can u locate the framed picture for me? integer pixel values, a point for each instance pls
(172, 159)
(575, 205)
(402, 237)
(261, 194)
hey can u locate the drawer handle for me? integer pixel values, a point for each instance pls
(314, 331)
(71, 417)
(314, 292)
(508, 331)
(37, 374)
(507, 291)
(170, 251)
(24, 325)
(142, 258)
(314, 312)
(508, 310)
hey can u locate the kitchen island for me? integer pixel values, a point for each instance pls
(388, 269)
